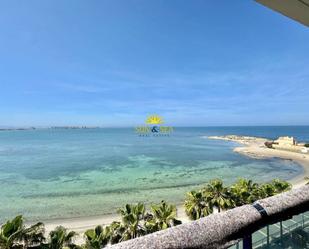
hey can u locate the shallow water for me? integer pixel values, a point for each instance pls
(47, 174)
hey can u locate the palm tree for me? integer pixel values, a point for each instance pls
(34, 235)
(267, 190)
(132, 221)
(97, 238)
(14, 234)
(60, 238)
(218, 195)
(116, 231)
(163, 216)
(274, 187)
(196, 205)
(245, 192)
(281, 186)
(11, 233)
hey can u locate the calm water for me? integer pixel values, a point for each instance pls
(48, 174)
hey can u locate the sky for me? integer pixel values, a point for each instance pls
(112, 63)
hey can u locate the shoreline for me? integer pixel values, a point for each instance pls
(252, 147)
(264, 153)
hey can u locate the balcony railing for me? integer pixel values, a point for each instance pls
(292, 233)
(225, 229)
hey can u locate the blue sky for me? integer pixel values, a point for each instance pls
(112, 63)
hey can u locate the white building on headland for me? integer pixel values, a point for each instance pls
(286, 141)
(290, 144)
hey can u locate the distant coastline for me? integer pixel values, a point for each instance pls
(17, 129)
(51, 127)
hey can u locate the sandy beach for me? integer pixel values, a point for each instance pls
(263, 152)
(250, 146)
(254, 147)
(80, 225)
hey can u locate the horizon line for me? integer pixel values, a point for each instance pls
(124, 127)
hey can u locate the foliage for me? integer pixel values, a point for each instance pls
(97, 238)
(200, 203)
(116, 231)
(60, 238)
(274, 187)
(132, 221)
(162, 216)
(14, 234)
(218, 195)
(197, 205)
(244, 192)
(34, 235)
(281, 186)
(137, 221)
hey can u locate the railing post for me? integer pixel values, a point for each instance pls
(237, 245)
(247, 242)
(303, 219)
(267, 229)
(281, 233)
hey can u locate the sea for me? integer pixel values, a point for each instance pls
(70, 173)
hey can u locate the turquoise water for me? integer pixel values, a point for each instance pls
(49, 173)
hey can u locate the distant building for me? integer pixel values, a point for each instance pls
(285, 141)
